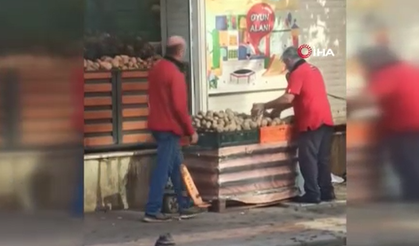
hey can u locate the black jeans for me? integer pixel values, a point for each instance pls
(404, 154)
(314, 150)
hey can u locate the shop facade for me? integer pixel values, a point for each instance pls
(233, 57)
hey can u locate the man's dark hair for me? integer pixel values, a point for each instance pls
(377, 57)
(173, 50)
(290, 53)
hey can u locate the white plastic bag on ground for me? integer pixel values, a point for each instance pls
(336, 179)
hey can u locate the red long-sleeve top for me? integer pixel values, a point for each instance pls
(168, 100)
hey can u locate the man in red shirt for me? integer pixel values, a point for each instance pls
(393, 86)
(306, 93)
(168, 121)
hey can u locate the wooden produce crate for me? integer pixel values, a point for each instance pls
(249, 174)
(99, 110)
(275, 134)
(133, 109)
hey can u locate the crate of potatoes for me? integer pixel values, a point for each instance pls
(224, 128)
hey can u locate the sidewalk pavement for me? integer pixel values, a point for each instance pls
(318, 225)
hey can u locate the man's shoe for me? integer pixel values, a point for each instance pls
(328, 197)
(190, 212)
(306, 199)
(156, 218)
(165, 240)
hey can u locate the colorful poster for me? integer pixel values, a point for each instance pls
(245, 40)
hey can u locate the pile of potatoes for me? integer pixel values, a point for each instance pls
(121, 62)
(276, 121)
(223, 121)
(230, 121)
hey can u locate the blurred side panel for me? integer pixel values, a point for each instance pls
(376, 214)
(41, 122)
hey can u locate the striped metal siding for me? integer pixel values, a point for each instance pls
(244, 173)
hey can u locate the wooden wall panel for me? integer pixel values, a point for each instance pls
(99, 110)
(134, 108)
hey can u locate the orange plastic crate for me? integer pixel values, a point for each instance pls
(274, 134)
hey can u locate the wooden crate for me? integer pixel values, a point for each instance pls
(250, 174)
(99, 109)
(134, 108)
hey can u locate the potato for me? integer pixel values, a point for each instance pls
(125, 59)
(115, 63)
(105, 65)
(253, 125)
(208, 125)
(264, 123)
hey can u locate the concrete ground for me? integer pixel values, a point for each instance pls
(284, 225)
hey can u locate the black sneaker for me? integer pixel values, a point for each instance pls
(190, 212)
(156, 218)
(306, 199)
(165, 240)
(328, 197)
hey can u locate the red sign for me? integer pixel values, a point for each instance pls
(260, 21)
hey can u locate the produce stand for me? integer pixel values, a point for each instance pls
(251, 174)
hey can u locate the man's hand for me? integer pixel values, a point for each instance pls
(276, 113)
(194, 138)
(257, 109)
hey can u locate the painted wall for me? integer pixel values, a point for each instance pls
(244, 42)
(117, 180)
(321, 25)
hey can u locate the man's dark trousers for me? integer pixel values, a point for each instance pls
(404, 154)
(169, 160)
(314, 150)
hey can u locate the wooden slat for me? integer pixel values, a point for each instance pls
(97, 101)
(134, 125)
(132, 86)
(97, 141)
(53, 138)
(137, 138)
(100, 114)
(46, 125)
(134, 74)
(47, 112)
(97, 87)
(134, 112)
(46, 99)
(134, 99)
(98, 75)
(104, 127)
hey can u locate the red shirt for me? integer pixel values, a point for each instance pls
(396, 88)
(311, 105)
(167, 99)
